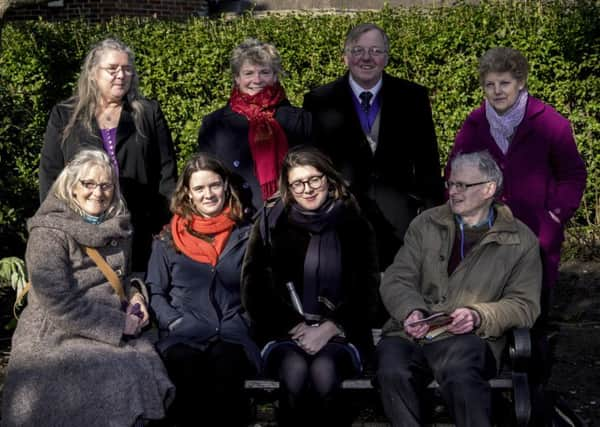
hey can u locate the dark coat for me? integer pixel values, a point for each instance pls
(147, 167)
(404, 173)
(542, 172)
(224, 134)
(200, 302)
(268, 267)
(70, 364)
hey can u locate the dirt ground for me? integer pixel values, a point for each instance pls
(575, 316)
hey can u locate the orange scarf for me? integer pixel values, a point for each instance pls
(202, 239)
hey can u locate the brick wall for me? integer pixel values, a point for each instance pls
(101, 10)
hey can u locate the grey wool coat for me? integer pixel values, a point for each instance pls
(70, 365)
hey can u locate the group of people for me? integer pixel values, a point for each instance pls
(288, 237)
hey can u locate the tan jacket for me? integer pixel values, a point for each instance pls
(500, 277)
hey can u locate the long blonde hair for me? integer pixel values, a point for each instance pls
(87, 95)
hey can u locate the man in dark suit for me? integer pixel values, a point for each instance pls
(379, 132)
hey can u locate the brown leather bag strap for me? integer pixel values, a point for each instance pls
(106, 269)
(108, 272)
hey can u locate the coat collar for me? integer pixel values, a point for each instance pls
(504, 231)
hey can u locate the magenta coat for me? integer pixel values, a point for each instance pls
(543, 172)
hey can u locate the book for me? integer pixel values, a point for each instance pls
(433, 321)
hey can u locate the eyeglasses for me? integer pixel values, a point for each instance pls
(359, 51)
(92, 185)
(113, 70)
(314, 182)
(461, 187)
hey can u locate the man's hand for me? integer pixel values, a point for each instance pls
(416, 331)
(464, 320)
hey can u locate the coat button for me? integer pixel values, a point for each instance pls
(245, 185)
(114, 243)
(236, 163)
(119, 272)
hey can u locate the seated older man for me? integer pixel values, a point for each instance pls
(473, 261)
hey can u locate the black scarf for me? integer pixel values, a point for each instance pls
(323, 260)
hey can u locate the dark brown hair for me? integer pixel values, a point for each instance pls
(310, 156)
(180, 201)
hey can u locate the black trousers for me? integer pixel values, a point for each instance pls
(461, 365)
(310, 385)
(209, 385)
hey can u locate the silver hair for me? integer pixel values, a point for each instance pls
(256, 52)
(76, 169)
(87, 95)
(484, 162)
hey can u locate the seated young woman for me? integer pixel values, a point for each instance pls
(309, 283)
(194, 281)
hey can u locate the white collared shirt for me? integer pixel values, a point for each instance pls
(357, 89)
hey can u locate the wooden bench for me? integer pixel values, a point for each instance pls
(513, 378)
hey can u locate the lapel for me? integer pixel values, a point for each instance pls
(533, 109)
(126, 126)
(343, 94)
(238, 236)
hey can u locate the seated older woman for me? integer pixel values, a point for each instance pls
(75, 358)
(252, 133)
(309, 284)
(194, 278)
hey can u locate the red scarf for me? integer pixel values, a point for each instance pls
(268, 142)
(217, 230)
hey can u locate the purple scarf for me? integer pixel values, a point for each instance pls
(502, 127)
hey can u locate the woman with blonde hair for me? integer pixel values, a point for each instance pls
(253, 132)
(77, 358)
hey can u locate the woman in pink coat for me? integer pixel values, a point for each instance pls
(544, 175)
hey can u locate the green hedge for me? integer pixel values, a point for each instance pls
(185, 66)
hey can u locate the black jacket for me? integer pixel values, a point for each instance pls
(404, 173)
(271, 262)
(224, 134)
(147, 167)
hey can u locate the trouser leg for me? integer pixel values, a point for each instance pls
(462, 365)
(229, 404)
(402, 375)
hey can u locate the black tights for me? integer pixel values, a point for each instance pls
(310, 385)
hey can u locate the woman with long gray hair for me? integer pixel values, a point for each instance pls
(108, 112)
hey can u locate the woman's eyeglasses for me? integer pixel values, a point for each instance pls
(314, 182)
(92, 185)
(113, 70)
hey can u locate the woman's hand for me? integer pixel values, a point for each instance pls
(141, 310)
(133, 325)
(313, 338)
